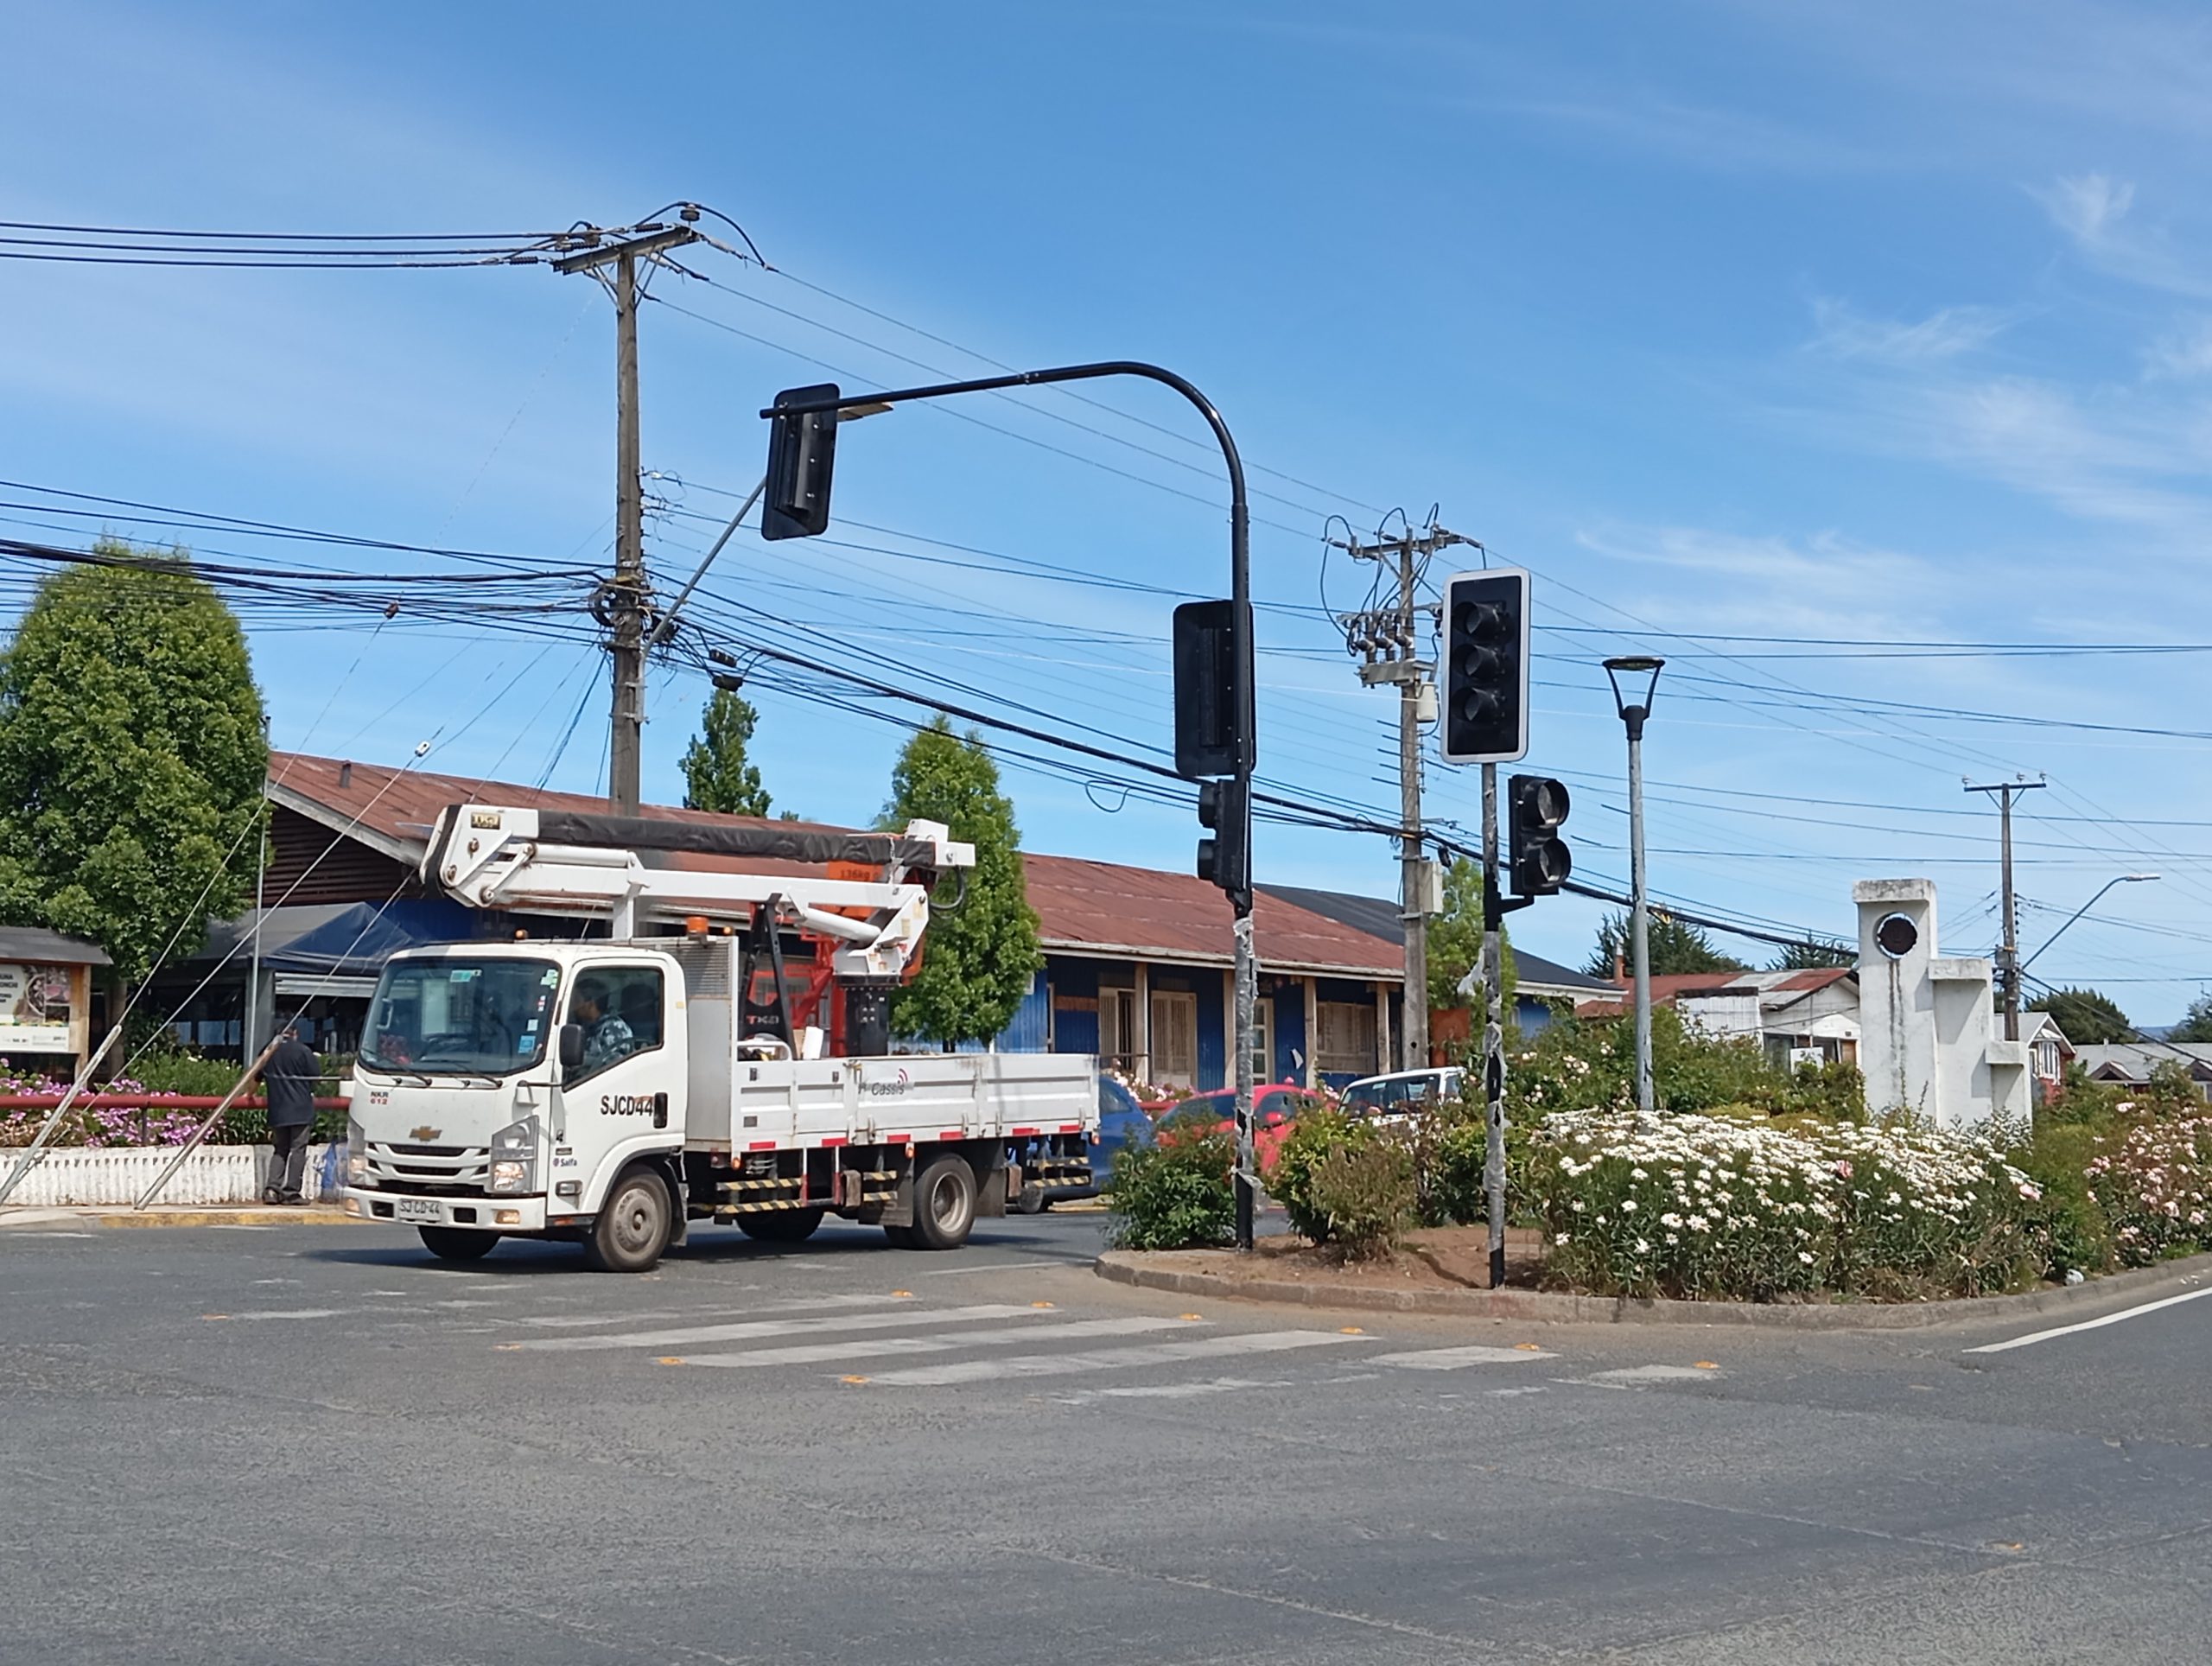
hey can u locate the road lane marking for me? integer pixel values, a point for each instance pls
(1628, 1376)
(820, 1353)
(993, 1267)
(1110, 1360)
(768, 1327)
(1452, 1359)
(2034, 1337)
(1169, 1390)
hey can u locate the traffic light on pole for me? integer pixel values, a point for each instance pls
(1485, 677)
(1537, 809)
(802, 450)
(1225, 855)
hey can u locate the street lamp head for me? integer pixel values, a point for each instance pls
(2134, 878)
(1633, 707)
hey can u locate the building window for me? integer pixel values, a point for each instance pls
(1346, 1043)
(1174, 1039)
(1117, 1032)
(1263, 1039)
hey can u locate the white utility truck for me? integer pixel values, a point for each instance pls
(609, 1090)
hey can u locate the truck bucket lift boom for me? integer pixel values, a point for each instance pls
(583, 866)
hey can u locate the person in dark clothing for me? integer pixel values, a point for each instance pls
(289, 1080)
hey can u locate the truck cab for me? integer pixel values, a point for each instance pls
(507, 1086)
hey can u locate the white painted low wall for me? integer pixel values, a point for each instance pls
(117, 1174)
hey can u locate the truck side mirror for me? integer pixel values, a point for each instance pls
(572, 1047)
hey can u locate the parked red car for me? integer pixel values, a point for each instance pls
(1274, 1108)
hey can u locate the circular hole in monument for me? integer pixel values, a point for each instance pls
(1896, 935)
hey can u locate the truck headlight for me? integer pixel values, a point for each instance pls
(357, 1154)
(514, 1157)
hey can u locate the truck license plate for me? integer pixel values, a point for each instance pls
(417, 1208)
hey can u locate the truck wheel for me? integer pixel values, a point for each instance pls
(781, 1225)
(944, 1205)
(1032, 1200)
(632, 1226)
(457, 1242)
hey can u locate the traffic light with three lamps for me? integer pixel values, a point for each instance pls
(1486, 671)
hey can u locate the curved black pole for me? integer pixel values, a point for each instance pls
(1240, 595)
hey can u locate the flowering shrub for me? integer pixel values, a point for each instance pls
(1705, 1206)
(2153, 1182)
(89, 1125)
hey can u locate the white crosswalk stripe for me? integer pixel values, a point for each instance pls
(1110, 1360)
(755, 1329)
(1456, 1359)
(821, 1353)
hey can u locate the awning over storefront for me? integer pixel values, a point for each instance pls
(340, 941)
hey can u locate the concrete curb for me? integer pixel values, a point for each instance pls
(244, 1215)
(1133, 1268)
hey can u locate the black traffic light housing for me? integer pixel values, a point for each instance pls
(1537, 808)
(1225, 855)
(1485, 669)
(1213, 659)
(801, 451)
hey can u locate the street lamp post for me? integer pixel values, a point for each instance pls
(2117, 878)
(1634, 709)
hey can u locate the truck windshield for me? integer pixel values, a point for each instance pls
(456, 1016)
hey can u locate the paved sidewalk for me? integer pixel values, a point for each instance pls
(178, 1215)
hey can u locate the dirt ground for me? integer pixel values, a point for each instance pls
(1435, 1258)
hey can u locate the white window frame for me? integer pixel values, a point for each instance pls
(1167, 1071)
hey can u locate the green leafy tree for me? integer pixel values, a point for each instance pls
(1455, 938)
(1676, 948)
(1813, 955)
(2086, 1015)
(980, 957)
(716, 776)
(131, 758)
(2196, 1024)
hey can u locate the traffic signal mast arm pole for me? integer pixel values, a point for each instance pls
(1240, 592)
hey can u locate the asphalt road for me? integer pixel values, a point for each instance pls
(311, 1443)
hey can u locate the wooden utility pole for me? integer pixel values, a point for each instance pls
(2008, 957)
(621, 604)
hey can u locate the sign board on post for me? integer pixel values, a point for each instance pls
(35, 1008)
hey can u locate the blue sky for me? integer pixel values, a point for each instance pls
(1729, 320)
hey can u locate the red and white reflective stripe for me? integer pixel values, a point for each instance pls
(951, 1133)
(833, 1140)
(1021, 1132)
(761, 1145)
(897, 1139)
(1070, 1128)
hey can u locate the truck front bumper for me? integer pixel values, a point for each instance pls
(469, 1214)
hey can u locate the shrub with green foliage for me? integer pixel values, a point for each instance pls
(2068, 1222)
(1590, 1064)
(1316, 1134)
(1175, 1194)
(1364, 1192)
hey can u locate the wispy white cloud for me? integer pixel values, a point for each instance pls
(1824, 583)
(2088, 207)
(1841, 330)
(2181, 355)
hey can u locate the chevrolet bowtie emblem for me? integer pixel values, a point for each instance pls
(424, 1134)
